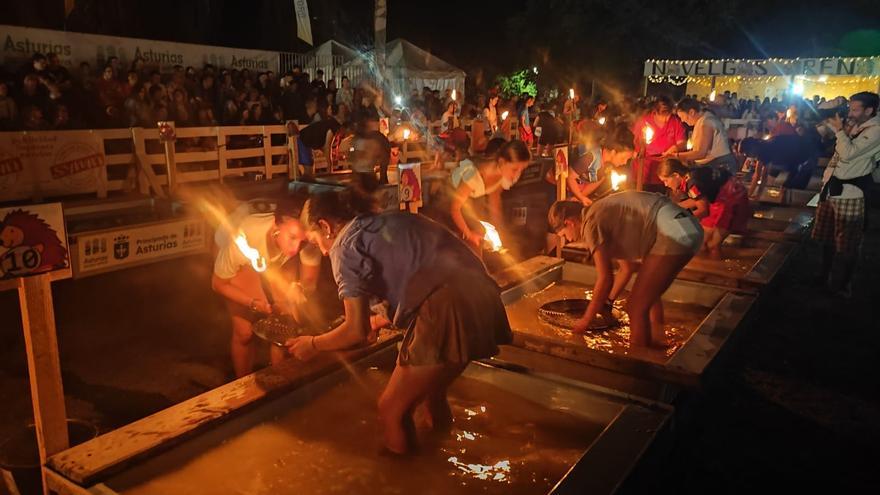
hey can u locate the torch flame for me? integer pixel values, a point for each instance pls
(504, 115)
(690, 145)
(257, 261)
(601, 120)
(617, 180)
(454, 95)
(406, 134)
(649, 134)
(712, 95)
(571, 93)
(766, 137)
(491, 236)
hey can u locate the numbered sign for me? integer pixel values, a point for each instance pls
(409, 183)
(32, 240)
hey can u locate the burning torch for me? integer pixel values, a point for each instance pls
(257, 261)
(491, 238)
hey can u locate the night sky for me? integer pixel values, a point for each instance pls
(605, 39)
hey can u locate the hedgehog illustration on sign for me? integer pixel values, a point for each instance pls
(29, 245)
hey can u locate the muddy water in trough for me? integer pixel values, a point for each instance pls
(328, 444)
(682, 321)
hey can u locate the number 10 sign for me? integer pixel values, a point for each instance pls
(32, 240)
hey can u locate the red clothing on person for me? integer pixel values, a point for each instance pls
(731, 210)
(783, 128)
(664, 138)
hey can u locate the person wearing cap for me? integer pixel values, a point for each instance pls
(626, 227)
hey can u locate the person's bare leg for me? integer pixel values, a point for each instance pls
(712, 242)
(658, 330)
(408, 386)
(241, 348)
(435, 407)
(655, 276)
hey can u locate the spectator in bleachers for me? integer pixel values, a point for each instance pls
(8, 109)
(59, 74)
(33, 93)
(109, 90)
(136, 106)
(345, 96)
(318, 85)
(61, 120)
(131, 81)
(38, 66)
(34, 119)
(116, 66)
(180, 111)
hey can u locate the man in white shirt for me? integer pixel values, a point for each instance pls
(840, 216)
(254, 289)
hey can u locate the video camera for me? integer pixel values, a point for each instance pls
(828, 113)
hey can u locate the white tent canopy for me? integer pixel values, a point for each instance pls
(409, 66)
(331, 57)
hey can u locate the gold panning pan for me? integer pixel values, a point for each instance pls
(566, 312)
(276, 329)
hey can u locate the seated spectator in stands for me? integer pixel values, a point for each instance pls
(8, 109)
(318, 86)
(86, 81)
(59, 74)
(155, 79)
(33, 93)
(449, 119)
(206, 117)
(33, 119)
(329, 100)
(292, 102)
(158, 105)
(109, 90)
(37, 65)
(61, 120)
(794, 154)
(231, 113)
(114, 64)
(136, 106)
(131, 81)
(137, 65)
(180, 111)
(312, 114)
(344, 95)
(206, 93)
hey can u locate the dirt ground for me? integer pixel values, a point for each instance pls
(795, 404)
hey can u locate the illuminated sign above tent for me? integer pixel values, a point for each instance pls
(831, 66)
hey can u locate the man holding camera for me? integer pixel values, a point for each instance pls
(840, 217)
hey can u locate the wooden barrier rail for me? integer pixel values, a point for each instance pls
(37, 165)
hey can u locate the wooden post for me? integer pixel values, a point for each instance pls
(44, 369)
(267, 152)
(293, 159)
(170, 160)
